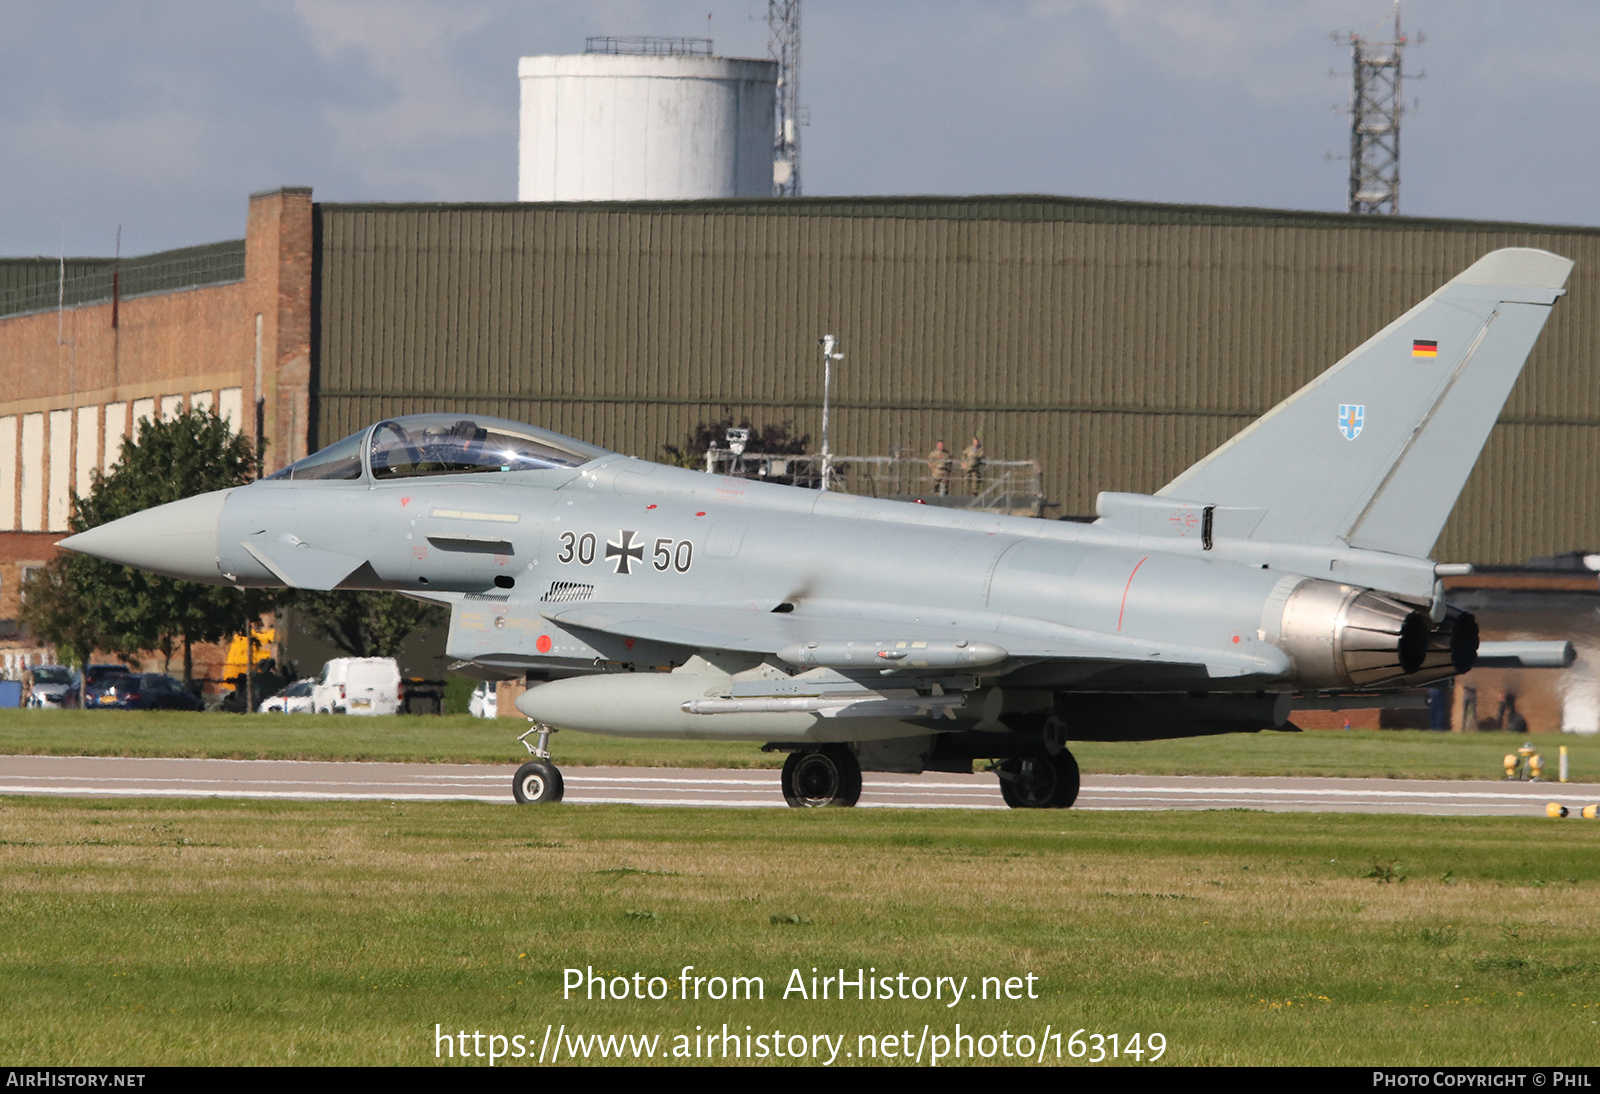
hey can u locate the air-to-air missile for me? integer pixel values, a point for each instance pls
(857, 633)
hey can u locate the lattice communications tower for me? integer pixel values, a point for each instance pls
(1375, 110)
(783, 46)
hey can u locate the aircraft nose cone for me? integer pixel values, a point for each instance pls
(178, 539)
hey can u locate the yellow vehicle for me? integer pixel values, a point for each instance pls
(266, 640)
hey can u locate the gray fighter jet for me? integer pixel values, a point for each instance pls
(859, 634)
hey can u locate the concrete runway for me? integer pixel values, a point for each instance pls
(90, 776)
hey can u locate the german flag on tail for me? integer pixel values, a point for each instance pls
(1424, 348)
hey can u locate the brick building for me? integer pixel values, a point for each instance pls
(89, 348)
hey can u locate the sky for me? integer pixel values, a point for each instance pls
(162, 116)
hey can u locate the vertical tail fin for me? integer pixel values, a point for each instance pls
(1375, 451)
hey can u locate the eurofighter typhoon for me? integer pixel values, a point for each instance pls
(859, 634)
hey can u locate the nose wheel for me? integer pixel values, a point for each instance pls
(538, 780)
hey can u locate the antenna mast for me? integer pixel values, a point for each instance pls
(783, 46)
(1375, 121)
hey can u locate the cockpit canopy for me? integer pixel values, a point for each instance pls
(421, 445)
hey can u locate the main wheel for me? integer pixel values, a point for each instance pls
(537, 781)
(829, 775)
(1045, 782)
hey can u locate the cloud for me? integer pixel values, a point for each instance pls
(153, 149)
(1258, 47)
(162, 115)
(411, 48)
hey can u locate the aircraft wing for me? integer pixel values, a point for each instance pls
(900, 638)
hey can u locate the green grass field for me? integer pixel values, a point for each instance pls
(221, 932)
(451, 738)
(461, 739)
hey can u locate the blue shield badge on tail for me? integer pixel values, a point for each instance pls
(1350, 416)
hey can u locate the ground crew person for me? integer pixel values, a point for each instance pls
(939, 465)
(972, 465)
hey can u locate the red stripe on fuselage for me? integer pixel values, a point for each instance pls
(1128, 586)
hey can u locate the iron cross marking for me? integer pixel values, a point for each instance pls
(620, 550)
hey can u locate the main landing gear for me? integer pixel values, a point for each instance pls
(1042, 782)
(826, 775)
(538, 780)
(823, 775)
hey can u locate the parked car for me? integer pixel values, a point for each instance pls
(358, 685)
(147, 691)
(294, 699)
(485, 700)
(55, 687)
(95, 680)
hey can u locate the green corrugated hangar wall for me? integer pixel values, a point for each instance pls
(1116, 343)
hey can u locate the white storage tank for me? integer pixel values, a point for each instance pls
(621, 127)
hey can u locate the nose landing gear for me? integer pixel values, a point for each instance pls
(538, 780)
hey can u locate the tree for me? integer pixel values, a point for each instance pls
(129, 610)
(363, 624)
(52, 612)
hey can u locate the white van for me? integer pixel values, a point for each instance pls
(358, 685)
(485, 700)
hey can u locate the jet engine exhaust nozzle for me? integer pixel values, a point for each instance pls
(1452, 649)
(1343, 637)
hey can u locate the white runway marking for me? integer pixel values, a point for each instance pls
(303, 780)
